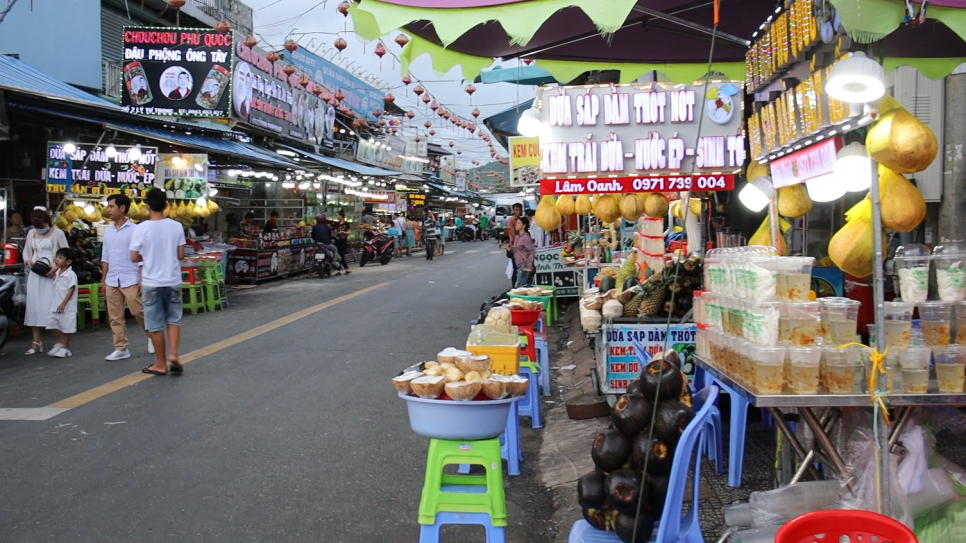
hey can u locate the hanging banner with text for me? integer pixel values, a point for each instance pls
(182, 72)
(633, 130)
(524, 161)
(809, 163)
(621, 185)
(183, 175)
(89, 171)
(620, 364)
(550, 270)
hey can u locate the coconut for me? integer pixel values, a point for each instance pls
(582, 206)
(472, 376)
(546, 215)
(516, 385)
(476, 362)
(402, 382)
(606, 208)
(495, 389)
(903, 206)
(450, 355)
(565, 205)
(901, 142)
(656, 206)
(428, 386)
(453, 374)
(793, 201)
(630, 207)
(463, 390)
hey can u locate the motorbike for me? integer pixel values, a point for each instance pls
(10, 312)
(467, 233)
(381, 247)
(323, 262)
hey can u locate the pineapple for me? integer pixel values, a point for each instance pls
(633, 307)
(627, 270)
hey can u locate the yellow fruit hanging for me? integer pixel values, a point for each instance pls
(144, 211)
(851, 248)
(583, 206)
(642, 198)
(212, 206)
(61, 222)
(656, 206)
(547, 215)
(756, 170)
(606, 208)
(793, 201)
(903, 207)
(204, 213)
(182, 210)
(71, 215)
(565, 205)
(901, 142)
(630, 207)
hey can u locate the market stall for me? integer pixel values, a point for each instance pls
(269, 256)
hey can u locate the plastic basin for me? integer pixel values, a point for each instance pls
(449, 419)
(523, 317)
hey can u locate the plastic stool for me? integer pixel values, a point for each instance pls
(191, 275)
(430, 533)
(463, 493)
(510, 450)
(87, 296)
(529, 406)
(529, 347)
(553, 301)
(193, 297)
(543, 357)
(736, 447)
(839, 524)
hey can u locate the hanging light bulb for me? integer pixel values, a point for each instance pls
(757, 194)
(857, 80)
(111, 151)
(69, 148)
(853, 167)
(89, 208)
(212, 192)
(530, 124)
(825, 188)
(134, 154)
(200, 201)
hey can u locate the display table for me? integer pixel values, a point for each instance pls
(817, 410)
(257, 260)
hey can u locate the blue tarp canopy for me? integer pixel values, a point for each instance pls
(504, 124)
(521, 75)
(18, 76)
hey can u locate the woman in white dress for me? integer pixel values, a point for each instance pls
(41, 243)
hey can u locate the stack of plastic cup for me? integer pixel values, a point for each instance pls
(839, 370)
(804, 369)
(823, 313)
(840, 319)
(890, 365)
(795, 278)
(769, 375)
(950, 368)
(898, 325)
(798, 324)
(949, 260)
(912, 268)
(935, 319)
(914, 362)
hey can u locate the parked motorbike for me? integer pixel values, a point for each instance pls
(381, 247)
(10, 312)
(323, 262)
(467, 233)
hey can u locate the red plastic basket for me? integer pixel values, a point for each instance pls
(524, 316)
(858, 526)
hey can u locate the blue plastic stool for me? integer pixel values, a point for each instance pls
(738, 426)
(529, 406)
(510, 449)
(766, 422)
(430, 534)
(543, 357)
(673, 526)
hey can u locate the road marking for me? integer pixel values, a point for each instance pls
(495, 252)
(99, 392)
(471, 251)
(30, 413)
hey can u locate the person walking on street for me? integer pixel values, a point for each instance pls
(410, 236)
(342, 229)
(430, 235)
(484, 226)
(524, 253)
(400, 224)
(122, 277)
(62, 321)
(441, 237)
(511, 230)
(158, 243)
(40, 245)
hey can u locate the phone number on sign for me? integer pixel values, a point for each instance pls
(664, 183)
(660, 184)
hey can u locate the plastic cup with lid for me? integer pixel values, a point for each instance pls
(803, 372)
(898, 323)
(840, 369)
(799, 323)
(795, 278)
(935, 319)
(914, 362)
(950, 368)
(769, 369)
(949, 260)
(840, 320)
(912, 269)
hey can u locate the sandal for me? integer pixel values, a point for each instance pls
(40, 347)
(147, 369)
(175, 366)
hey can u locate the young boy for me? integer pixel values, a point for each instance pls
(63, 314)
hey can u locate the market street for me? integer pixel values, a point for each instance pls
(293, 435)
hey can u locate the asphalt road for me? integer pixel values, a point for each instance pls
(288, 432)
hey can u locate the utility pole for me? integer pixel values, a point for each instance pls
(951, 224)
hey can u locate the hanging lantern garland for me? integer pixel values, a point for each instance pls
(222, 26)
(340, 44)
(402, 40)
(177, 5)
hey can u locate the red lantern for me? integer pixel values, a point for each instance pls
(356, 123)
(394, 131)
(177, 4)
(317, 90)
(427, 124)
(432, 132)
(377, 113)
(289, 69)
(527, 61)
(344, 8)
(344, 109)
(250, 41)
(380, 50)
(402, 40)
(418, 90)
(447, 115)
(333, 102)
(291, 45)
(407, 80)
(272, 57)
(470, 89)
(426, 98)
(382, 122)
(417, 138)
(476, 113)
(304, 81)
(389, 98)
(350, 113)
(410, 114)
(222, 26)
(459, 151)
(451, 144)
(340, 44)
(434, 106)
(339, 95)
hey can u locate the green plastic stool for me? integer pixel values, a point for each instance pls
(463, 493)
(215, 290)
(89, 299)
(193, 297)
(556, 313)
(549, 307)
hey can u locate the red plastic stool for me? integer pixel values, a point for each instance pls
(859, 526)
(192, 276)
(530, 350)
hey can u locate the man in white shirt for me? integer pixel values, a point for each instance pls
(122, 278)
(158, 243)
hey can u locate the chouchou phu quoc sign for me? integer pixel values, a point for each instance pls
(650, 137)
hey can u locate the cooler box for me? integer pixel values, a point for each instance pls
(503, 350)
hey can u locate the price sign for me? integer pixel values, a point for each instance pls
(552, 271)
(620, 185)
(620, 366)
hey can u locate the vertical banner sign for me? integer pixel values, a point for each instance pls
(524, 161)
(183, 175)
(460, 180)
(90, 172)
(182, 72)
(550, 270)
(620, 360)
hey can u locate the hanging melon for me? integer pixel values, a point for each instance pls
(656, 206)
(756, 170)
(793, 201)
(903, 206)
(606, 208)
(565, 205)
(583, 206)
(212, 206)
(851, 248)
(547, 215)
(145, 211)
(630, 207)
(901, 142)
(642, 198)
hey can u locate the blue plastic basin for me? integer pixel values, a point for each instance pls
(449, 419)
